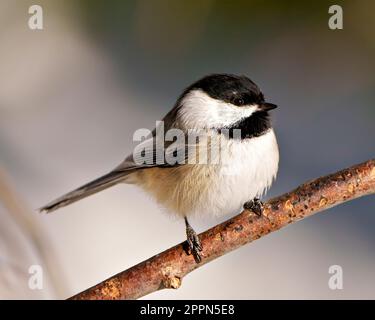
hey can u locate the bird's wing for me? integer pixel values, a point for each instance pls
(160, 151)
(173, 154)
(153, 152)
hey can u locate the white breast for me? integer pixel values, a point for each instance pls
(248, 172)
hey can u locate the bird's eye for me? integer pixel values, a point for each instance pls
(238, 101)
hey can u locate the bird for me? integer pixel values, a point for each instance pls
(230, 115)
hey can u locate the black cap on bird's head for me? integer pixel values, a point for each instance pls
(237, 90)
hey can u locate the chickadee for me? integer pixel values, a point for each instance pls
(215, 103)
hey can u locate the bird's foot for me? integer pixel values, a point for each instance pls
(255, 206)
(194, 244)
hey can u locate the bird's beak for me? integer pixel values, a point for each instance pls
(265, 106)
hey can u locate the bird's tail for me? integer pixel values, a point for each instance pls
(86, 190)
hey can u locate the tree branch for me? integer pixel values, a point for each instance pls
(166, 270)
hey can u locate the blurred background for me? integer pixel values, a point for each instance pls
(72, 95)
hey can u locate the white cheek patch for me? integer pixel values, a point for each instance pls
(198, 110)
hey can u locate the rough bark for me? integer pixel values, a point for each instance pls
(166, 270)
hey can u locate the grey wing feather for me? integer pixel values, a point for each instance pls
(150, 153)
(86, 190)
(137, 160)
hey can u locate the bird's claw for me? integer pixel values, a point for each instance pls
(195, 246)
(255, 206)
